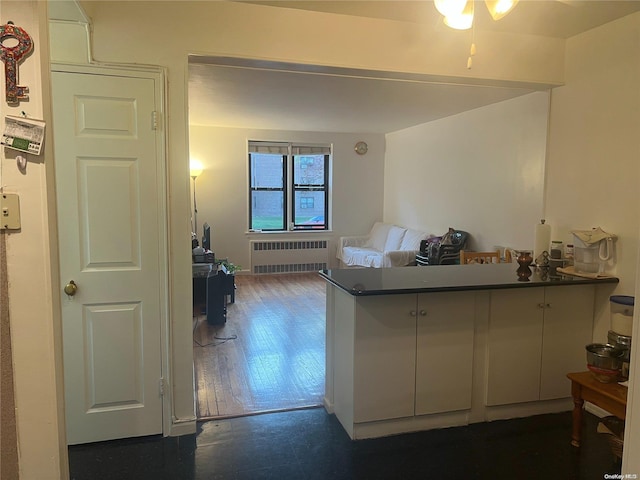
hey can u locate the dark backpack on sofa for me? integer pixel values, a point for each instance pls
(445, 250)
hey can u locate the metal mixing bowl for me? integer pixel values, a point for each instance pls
(605, 356)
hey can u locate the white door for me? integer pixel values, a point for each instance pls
(109, 201)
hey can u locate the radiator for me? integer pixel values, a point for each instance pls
(289, 256)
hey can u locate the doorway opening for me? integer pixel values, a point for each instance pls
(269, 355)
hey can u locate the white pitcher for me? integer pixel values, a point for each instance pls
(592, 250)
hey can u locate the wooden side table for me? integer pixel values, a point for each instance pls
(610, 396)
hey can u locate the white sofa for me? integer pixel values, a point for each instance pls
(386, 245)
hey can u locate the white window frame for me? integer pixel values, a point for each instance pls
(289, 150)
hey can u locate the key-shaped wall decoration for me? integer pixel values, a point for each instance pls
(11, 56)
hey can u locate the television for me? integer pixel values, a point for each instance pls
(206, 237)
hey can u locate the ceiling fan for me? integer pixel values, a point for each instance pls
(458, 14)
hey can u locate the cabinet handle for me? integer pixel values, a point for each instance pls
(413, 313)
(548, 305)
(423, 313)
(541, 305)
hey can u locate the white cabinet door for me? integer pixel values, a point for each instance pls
(536, 337)
(384, 357)
(444, 362)
(515, 345)
(568, 327)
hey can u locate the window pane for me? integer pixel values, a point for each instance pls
(308, 169)
(267, 210)
(309, 208)
(266, 170)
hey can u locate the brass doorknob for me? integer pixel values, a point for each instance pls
(71, 288)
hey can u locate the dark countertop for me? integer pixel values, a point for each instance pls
(445, 278)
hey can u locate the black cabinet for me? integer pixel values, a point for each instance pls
(212, 286)
(216, 299)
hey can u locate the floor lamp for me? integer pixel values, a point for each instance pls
(194, 171)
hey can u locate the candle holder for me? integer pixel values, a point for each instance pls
(524, 260)
(543, 259)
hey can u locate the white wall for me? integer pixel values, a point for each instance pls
(593, 164)
(222, 190)
(481, 171)
(593, 168)
(286, 34)
(69, 42)
(31, 267)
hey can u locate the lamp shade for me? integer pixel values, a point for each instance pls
(195, 168)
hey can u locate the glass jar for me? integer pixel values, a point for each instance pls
(556, 249)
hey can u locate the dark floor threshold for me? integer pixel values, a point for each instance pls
(259, 412)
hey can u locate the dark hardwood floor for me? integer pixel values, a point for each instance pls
(270, 354)
(312, 445)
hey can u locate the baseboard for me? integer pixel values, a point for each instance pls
(183, 428)
(328, 406)
(527, 409)
(409, 424)
(596, 410)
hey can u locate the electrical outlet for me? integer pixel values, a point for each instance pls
(9, 211)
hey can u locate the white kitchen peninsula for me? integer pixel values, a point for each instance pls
(415, 348)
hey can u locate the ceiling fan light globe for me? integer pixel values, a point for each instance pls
(500, 8)
(462, 21)
(450, 7)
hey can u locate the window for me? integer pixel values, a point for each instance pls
(306, 202)
(288, 186)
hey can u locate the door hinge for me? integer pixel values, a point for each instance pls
(161, 386)
(154, 120)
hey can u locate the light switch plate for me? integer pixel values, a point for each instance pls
(9, 211)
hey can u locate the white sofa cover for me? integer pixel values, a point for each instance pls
(386, 245)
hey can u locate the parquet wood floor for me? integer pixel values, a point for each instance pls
(270, 354)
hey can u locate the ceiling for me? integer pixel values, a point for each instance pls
(553, 18)
(227, 93)
(261, 98)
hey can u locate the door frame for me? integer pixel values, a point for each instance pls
(158, 76)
